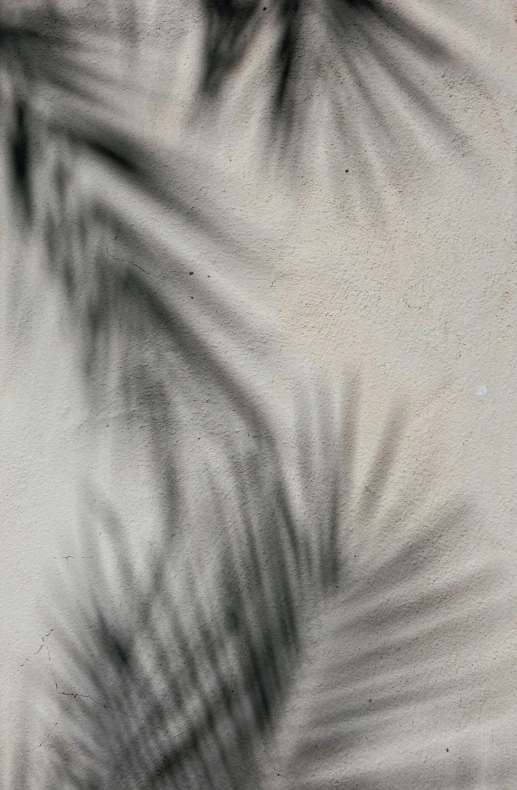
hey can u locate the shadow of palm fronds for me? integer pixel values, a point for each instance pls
(347, 68)
(173, 666)
(52, 62)
(401, 657)
(179, 664)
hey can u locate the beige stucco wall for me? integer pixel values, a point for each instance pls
(383, 260)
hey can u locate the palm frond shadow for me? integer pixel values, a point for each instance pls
(173, 674)
(175, 686)
(41, 50)
(348, 67)
(177, 667)
(173, 677)
(394, 642)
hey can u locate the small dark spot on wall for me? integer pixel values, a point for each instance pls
(346, 171)
(446, 750)
(370, 700)
(191, 297)
(191, 272)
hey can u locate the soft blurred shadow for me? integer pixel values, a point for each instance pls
(173, 675)
(319, 55)
(170, 663)
(408, 660)
(349, 69)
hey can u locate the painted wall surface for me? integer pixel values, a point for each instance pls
(193, 350)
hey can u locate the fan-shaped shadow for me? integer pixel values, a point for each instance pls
(346, 70)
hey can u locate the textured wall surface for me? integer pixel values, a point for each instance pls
(226, 337)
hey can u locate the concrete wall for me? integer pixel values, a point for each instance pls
(375, 254)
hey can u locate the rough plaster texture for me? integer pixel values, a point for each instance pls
(391, 266)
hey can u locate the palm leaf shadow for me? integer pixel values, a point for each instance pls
(337, 64)
(320, 67)
(172, 677)
(115, 727)
(393, 641)
(184, 702)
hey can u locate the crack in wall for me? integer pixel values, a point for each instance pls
(40, 648)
